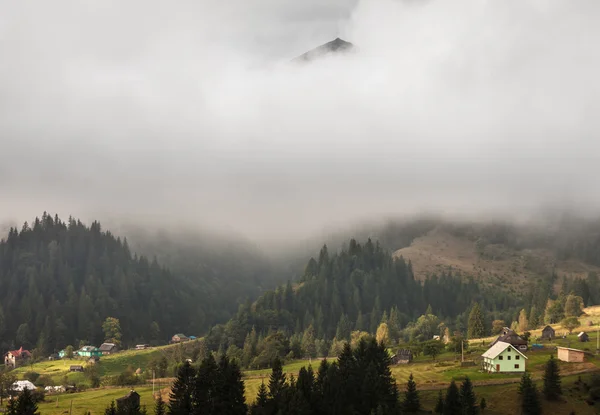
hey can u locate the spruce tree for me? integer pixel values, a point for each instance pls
(476, 326)
(452, 402)
(160, 407)
(260, 406)
(482, 404)
(467, 398)
(111, 409)
(277, 383)
(552, 389)
(180, 398)
(24, 404)
(530, 402)
(439, 405)
(411, 402)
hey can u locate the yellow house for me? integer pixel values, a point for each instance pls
(503, 357)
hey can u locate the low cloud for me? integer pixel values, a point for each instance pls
(192, 112)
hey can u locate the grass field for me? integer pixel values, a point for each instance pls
(431, 376)
(94, 401)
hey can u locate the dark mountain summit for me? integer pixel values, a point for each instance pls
(335, 46)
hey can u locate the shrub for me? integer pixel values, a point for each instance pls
(31, 376)
(43, 381)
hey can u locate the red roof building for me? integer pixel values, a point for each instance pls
(15, 358)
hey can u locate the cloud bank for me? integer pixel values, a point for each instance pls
(191, 112)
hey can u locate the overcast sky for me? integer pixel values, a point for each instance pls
(190, 110)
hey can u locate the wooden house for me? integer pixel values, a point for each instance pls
(567, 354)
(16, 358)
(76, 368)
(548, 333)
(509, 336)
(141, 346)
(583, 337)
(403, 357)
(503, 357)
(179, 338)
(108, 348)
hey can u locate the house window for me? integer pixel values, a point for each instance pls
(517, 357)
(500, 357)
(516, 366)
(508, 357)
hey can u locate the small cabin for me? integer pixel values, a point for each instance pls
(108, 348)
(76, 368)
(403, 357)
(548, 333)
(179, 338)
(567, 354)
(583, 337)
(141, 346)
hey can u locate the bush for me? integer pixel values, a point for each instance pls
(38, 395)
(31, 376)
(43, 381)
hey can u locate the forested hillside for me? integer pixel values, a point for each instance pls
(356, 289)
(223, 271)
(60, 280)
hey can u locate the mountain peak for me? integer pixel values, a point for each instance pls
(335, 46)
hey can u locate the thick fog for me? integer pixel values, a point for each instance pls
(189, 111)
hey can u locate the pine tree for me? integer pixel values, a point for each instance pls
(277, 383)
(482, 404)
(411, 402)
(160, 407)
(439, 405)
(552, 389)
(180, 398)
(468, 400)
(23, 405)
(476, 327)
(530, 402)
(111, 410)
(262, 401)
(452, 402)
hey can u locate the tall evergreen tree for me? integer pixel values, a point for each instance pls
(530, 402)
(468, 399)
(476, 328)
(552, 389)
(439, 405)
(182, 391)
(160, 407)
(111, 409)
(411, 402)
(23, 405)
(261, 405)
(452, 402)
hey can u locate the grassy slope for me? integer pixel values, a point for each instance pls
(440, 251)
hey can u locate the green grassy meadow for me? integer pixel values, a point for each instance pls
(499, 390)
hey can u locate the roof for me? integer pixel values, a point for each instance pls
(75, 367)
(581, 334)
(337, 45)
(107, 346)
(128, 396)
(498, 348)
(88, 349)
(179, 335)
(510, 337)
(568, 348)
(23, 384)
(547, 327)
(20, 353)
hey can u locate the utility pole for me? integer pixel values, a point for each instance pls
(598, 340)
(153, 383)
(71, 408)
(462, 351)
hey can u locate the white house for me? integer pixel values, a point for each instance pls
(503, 357)
(21, 385)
